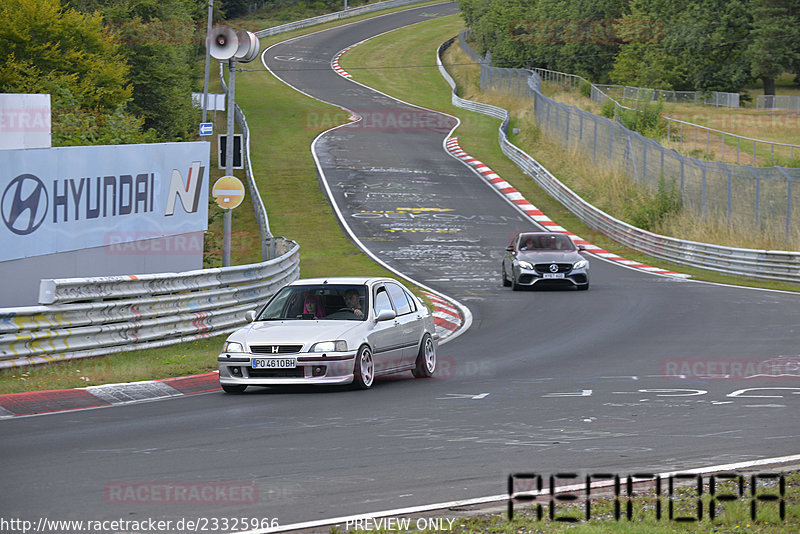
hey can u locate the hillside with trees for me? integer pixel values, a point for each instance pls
(712, 45)
(118, 71)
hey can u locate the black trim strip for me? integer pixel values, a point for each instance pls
(396, 347)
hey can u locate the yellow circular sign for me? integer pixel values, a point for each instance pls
(228, 192)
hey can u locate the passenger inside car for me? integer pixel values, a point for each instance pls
(313, 306)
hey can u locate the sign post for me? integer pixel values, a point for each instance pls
(228, 193)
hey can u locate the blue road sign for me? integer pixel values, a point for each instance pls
(206, 128)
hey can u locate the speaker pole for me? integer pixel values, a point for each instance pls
(208, 60)
(226, 221)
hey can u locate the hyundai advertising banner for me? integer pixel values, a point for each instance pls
(72, 198)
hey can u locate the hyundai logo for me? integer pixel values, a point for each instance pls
(553, 268)
(24, 204)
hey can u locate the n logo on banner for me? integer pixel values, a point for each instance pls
(189, 192)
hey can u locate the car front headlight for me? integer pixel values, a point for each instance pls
(525, 265)
(330, 346)
(580, 264)
(232, 346)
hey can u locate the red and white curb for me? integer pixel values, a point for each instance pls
(535, 214)
(335, 61)
(446, 317)
(60, 400)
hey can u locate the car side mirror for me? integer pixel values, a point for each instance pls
(385, 315)
(250, 316)
(581, 248)
(510, 248)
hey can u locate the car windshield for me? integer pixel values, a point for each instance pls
(545, 242)
(321, 302)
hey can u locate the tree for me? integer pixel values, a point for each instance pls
(699, 46)
(775, 45)
(68, 54)
(161, 44)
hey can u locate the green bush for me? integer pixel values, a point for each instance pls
(646, 120)
(646, 210)
(586, 89)
(608, 108)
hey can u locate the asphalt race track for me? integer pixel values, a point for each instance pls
(543, 381)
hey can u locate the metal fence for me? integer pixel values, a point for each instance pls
(696, 139)
(759, 197)
(641, 94)
(770, 265)
(708, 143)
(788, 102)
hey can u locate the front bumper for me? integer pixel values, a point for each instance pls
(530, 277)
(329, 369)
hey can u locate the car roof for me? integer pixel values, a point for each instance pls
(340, 280)
(539, 232)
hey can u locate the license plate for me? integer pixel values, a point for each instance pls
(273, 363)
(553, 275)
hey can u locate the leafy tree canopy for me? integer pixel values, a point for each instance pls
(49, 48)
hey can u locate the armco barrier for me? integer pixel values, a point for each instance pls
(85, 317)
(388, 4)
(764, 264)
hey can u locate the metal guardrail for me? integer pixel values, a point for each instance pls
(352, 12)
(764, 264)
(84, 317)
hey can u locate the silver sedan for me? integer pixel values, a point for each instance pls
(331, 331)
(544, 258)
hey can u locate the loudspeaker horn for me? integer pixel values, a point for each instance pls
(222, 42)
(248, 48)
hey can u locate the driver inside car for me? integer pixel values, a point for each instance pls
(352, 301)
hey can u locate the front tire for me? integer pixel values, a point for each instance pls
(514, 285)
(506, 281)
(364, 371)
(426, 359)
(235, 389)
